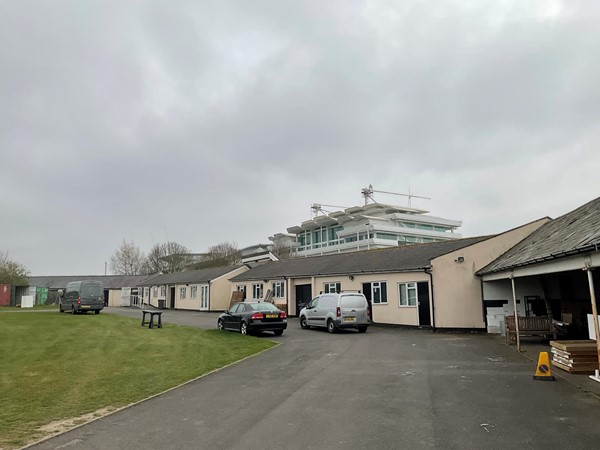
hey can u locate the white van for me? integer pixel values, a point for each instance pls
(336, 311)
(81, 296)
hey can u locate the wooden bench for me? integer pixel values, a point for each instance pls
(529, 326)
(152, 313)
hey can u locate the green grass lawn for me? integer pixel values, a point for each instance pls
(57, 366)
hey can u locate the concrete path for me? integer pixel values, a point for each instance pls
(386, 389)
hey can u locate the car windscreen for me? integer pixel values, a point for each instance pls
(263, 307)
(353, 301)
(91, 290)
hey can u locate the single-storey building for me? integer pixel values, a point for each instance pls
(45, 288)
(201, 290)
(552, 271)
(420, 285)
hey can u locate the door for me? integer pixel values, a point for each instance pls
(303, 296)
(227, 318)
(203, 298)
(173, 297)
(366, 288)
(311, 312)
(423, 302)
(236, 316)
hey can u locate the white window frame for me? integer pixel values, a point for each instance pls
(163, 291)
(193, 292)
(409, 286)
(241, 287)
(182, 292)
(376, 285)
(337, 287)
(278, 289)
(155, 291)
(257, 291)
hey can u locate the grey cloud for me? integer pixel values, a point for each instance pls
(209, 121)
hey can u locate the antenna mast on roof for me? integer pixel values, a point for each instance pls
(317, 208)
(367, 193)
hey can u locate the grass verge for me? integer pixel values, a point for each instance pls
(58, 366)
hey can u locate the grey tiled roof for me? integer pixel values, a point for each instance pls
(395, 259)
(190, 276)
(575, 232)
(108, 281)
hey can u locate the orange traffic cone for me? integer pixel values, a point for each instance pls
(543, 372)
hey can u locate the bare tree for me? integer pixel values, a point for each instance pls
(128, 259)
(12, 272)
(222, 254)
(168, 257)
(282, 250)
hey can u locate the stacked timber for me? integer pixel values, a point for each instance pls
(575, 356)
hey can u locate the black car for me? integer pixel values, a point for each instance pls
(252, 317)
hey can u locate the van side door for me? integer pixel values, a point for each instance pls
(311, 310)
(322, 309)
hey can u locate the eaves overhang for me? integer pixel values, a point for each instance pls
(542, 259)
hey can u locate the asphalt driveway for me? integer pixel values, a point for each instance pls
(386, 389)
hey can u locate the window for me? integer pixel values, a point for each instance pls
(182, 291)
(278, 290)
(257, 291)
(333, 288)
(389, 236)
(163, 291)
(193, 291)
(333, 231)
(241, 287)
(408, 294)
(379, 292)
(154, 292)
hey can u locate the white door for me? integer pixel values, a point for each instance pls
(203, 298)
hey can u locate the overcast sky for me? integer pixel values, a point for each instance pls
(202, 121)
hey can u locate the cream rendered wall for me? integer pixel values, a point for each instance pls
(457, 292)
(187, 302)
(219, 292)
(390, 312)
(291, 293)
(221, 289)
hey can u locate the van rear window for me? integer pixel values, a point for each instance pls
(353, 301)
(88, 290)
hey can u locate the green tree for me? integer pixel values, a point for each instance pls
(12, 272)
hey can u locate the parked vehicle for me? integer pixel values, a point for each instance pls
(253, 317)
(81, 296)
(336, 311)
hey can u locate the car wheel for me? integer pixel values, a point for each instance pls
(97, 311)
(362, 329)
(244, 328)
(220, 325)
(331, 326)
(278, 332)
(303, 323)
